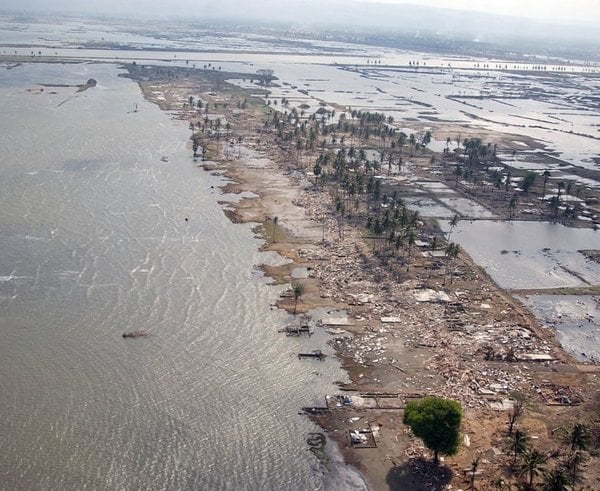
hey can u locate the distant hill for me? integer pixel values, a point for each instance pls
(402, 21)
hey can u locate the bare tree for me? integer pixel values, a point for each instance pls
(516, 411)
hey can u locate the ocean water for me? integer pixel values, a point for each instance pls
(95, 243)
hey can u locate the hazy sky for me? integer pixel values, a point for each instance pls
(587, 11)
(564, 11)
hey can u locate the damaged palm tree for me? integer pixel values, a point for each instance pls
(298, 290)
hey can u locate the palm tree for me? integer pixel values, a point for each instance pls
(410, 241)
(554, 203)
(546, 175)
(298, 289)
(412, 141)
(512, 206)
(555, 480)
(572, 464)
(568, 191)
(519, 444)
(528, 181)
(507, 182)
(561, 185)
(453, 223)
(532, 465)
(434, 244)
(579, 438)
(452, 251)
(457, 174)
(402, 138)
(398, 243)
(426, 140)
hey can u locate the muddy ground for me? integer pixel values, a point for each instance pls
(475, 344)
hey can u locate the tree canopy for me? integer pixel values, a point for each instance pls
(298, 290)
(437, 422)
(528, 181)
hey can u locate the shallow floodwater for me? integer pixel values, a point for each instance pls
(557, 112)
(101, 236)
(526, 255)
(576, 319)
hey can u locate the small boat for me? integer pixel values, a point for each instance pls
(135, 334)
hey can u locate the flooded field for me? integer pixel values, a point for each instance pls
(530, 255)
(576, 319)
(550, 112)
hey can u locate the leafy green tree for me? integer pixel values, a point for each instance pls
(437, 422)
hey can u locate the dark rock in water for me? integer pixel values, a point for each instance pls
(88, 85)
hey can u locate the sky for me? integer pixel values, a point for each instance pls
(575, 11)
(585, 12)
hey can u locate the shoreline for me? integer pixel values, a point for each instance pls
(342, 275)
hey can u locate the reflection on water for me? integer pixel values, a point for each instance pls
(525, 255)
(99, 237)
(576, 319)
